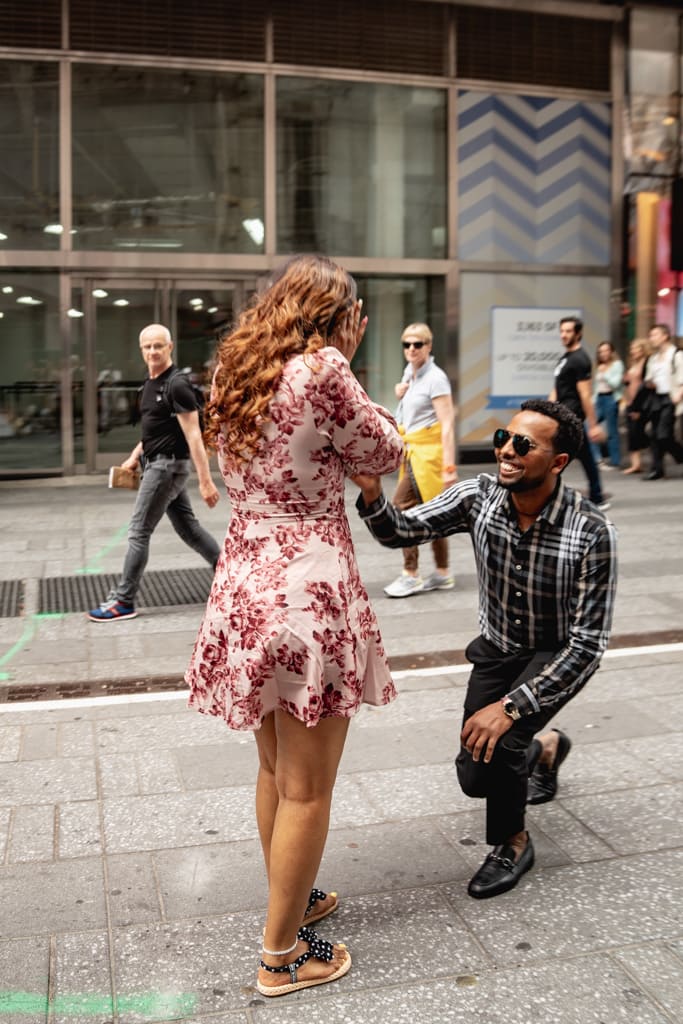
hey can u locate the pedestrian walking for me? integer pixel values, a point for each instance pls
(573, 388)
(425, 416)
(171, 439)
(608, 387)
(289, 646)
(546, 563)
(637, 402)
(664, 378)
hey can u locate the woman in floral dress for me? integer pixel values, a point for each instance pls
(289, 646)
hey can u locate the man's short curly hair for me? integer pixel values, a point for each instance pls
(569, 434)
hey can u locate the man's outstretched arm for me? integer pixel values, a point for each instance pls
(442, 516)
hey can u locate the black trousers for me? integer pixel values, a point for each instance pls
(503, 781)
(662, 436)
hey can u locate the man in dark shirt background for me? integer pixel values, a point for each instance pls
(171, 436)
(546, 566)
(573, 389)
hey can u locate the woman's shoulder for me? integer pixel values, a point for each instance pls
(439, 378)
(328, 357)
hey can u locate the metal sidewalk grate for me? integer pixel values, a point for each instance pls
(157, 590)
(11, 598)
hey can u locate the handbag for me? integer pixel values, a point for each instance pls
(643, 402)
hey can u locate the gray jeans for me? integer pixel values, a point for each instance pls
(162, 489)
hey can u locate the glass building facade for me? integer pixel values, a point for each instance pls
(465, 163)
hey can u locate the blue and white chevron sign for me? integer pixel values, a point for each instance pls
(533, 179)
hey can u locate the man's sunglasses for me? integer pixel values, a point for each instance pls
(414, 344)
(520, 442)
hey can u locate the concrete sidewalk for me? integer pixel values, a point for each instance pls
(131, 886)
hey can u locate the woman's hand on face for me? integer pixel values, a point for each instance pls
(349, 334)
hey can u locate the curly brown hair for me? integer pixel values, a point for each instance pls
(299, 312)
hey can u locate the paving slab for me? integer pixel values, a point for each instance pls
(132, 891)
(42, 898)
(658, 971)
(47, 781)
(24, 968)
(640, 819)
(82, 980)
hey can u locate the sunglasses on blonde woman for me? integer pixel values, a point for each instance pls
(413, 344)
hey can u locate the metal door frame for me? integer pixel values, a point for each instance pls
(160, 289)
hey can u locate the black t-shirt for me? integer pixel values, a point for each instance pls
(572, 367)
(160, 399)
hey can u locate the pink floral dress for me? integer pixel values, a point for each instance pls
(288, 623)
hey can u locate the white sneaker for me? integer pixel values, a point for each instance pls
(404, 585)
(438, 582)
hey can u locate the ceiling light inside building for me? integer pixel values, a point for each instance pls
(28, 300)
(121, 302)
(7, 290)
(3, 236)
(100, 293)
(255, 229)
(196, 302)
(149, 243)
(74, 313)
(213, 309)
(53, 229)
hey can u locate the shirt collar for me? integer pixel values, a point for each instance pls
(423, 369)
(551, 511)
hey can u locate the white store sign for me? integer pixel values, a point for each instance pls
(525, 348)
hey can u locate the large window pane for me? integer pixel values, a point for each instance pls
(361, 169)
(29, 166)
(653, 133)
(30, 370)
(167, 160)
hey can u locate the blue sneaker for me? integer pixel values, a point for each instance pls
(111, 611)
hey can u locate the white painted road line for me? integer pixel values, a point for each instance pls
(67, 703)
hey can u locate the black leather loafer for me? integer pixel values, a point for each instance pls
(543, 780)
(500, 871)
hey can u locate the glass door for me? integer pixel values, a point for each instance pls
(202, 312)
(111, 313)
(115, 311)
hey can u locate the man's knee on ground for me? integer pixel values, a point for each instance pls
(472, 776)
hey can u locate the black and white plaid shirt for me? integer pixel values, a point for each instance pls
(550, 588)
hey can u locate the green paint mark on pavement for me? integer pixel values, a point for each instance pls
(30, 629)
(158, 1005)
(28, 634)
(94, 566)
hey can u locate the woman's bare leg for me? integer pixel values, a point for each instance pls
(266, 789)
(306, 765)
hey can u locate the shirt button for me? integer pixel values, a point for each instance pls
(518, 622)
(518, 568)
(518, 594)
